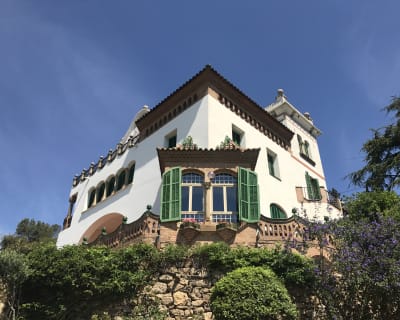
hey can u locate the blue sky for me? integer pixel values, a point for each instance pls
(74, 73)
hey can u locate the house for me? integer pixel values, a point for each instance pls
(206, 164)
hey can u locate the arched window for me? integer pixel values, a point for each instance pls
(121, 180)
(224, 197)
(92, 195)
(192, 196)
(110, 186)
(277, 212)
(100, 192)
(131, 173)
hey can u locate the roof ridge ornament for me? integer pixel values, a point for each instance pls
(280, 95)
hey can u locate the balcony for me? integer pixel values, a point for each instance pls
(308, 195)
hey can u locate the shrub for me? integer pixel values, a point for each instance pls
(251, 293)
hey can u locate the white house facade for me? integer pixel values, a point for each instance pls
(207, 154)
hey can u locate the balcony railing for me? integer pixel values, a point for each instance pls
(323, 196)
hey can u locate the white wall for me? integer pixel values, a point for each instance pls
(208, 122)
(132, 201)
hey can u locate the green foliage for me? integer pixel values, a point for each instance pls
(292, 268)
(14, 271)
(369, 204)
(75, 281)
(78, 282)
(382, 168)
(251, 293)
(173, 255)
(29, 231)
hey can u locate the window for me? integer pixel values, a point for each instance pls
(237, 135)
(230, 197)
(131, 173)
(170, 139)
(172, 142)
(313, 189)
(305, 150)
(273, 167)
(192, 192)
(224, 193)
(110, 186)
(121, 180)
(100, 192)
(277, 212)
(92, 195)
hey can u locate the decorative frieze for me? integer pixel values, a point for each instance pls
(111, 156)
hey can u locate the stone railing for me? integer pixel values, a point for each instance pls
(145, 229)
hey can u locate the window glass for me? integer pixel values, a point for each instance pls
(91, 198)
(236, 137)
(110, 186)
(197, 198)
(218, 199)
(121, 180)
(192, 192)
(131, 173)
(185, 198)
(172, 142)
(100, 192)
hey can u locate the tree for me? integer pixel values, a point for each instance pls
(251, 293)
(366, 205)
(14, 271)
(382, 169)
(362, 279)
(30, 231)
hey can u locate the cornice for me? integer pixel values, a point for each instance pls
(229, 157)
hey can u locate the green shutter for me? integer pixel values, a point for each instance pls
(277, 212)
(313, 189)
(171, 195)
(317, 190)
(249, 207)
(310, 192)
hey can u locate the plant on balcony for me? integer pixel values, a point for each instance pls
(190, 223)
(228, 143)
(189, 144)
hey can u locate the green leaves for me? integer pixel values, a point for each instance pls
(251, 293)
(382, 168)
(75, 281)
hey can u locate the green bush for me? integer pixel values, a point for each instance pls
(251, 293)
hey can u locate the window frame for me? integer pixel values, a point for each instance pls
(239, 133)
(190, 186)
(167, 139)
(224, 186)
(273, 165)
(276, 212)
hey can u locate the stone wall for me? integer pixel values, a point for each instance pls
(184, 292)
